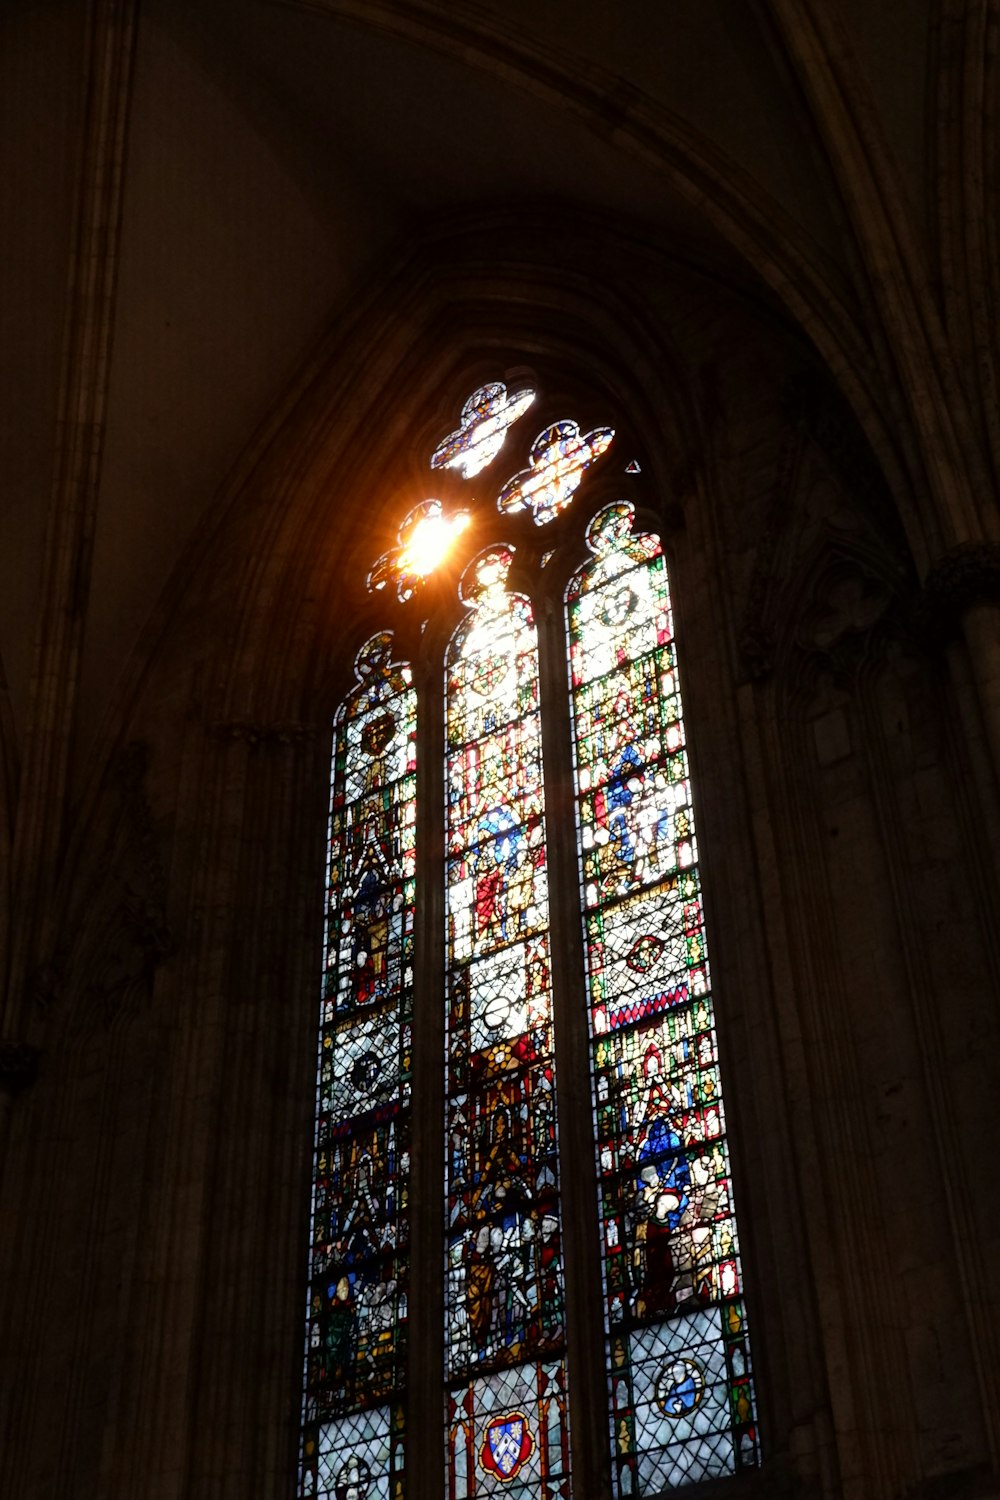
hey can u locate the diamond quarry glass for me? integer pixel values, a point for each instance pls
(682, 1402)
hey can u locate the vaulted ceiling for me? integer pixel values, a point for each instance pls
(278, 159)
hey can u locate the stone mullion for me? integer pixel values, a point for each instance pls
(585, 1331)
(425, 1400)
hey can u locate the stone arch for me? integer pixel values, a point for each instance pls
(238, 673)
(350, 415)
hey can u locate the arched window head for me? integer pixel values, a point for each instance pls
(558, 849)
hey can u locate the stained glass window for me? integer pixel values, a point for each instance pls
(504, 1287)
(679, 1365)
(356, 1347)
(486, 417)
(680, 1403)
(424, 539)
(559, 455)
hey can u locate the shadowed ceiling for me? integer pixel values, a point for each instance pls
(281, 156)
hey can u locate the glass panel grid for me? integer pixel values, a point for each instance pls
(352, 1440)
(682, 1405)
(504, 1275)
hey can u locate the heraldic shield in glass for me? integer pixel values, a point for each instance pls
(682, 1404)
(504, 1272)
(353, 1425)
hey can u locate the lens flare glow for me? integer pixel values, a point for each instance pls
(430, 542)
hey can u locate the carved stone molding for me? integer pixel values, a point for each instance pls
(847, 607)
(833, 608)
(837, 613)
(18, 1066)
(969, 574)
(828, 494)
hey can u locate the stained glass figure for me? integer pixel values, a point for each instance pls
(353, 1423)
(425, 539)
(559, 456)
(682, 1402)
(487, 417)
(504, 1274)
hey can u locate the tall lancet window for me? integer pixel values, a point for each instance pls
(354, 1428)
(678, 1357)
(539, 953)
(505, 1325)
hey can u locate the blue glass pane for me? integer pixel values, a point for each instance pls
(682, 1404)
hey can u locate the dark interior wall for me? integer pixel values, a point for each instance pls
(227, 273)
(324, 232)
(40, 47)
(158, 1167)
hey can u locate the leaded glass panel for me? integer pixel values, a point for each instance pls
(353, 1432)
(679, 1365)
(487, 416)
(557, 461)
(681, 1402)
(504, 1272)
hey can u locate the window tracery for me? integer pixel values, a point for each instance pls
(680, 1398)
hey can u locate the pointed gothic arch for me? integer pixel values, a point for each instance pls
(671, 1369)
